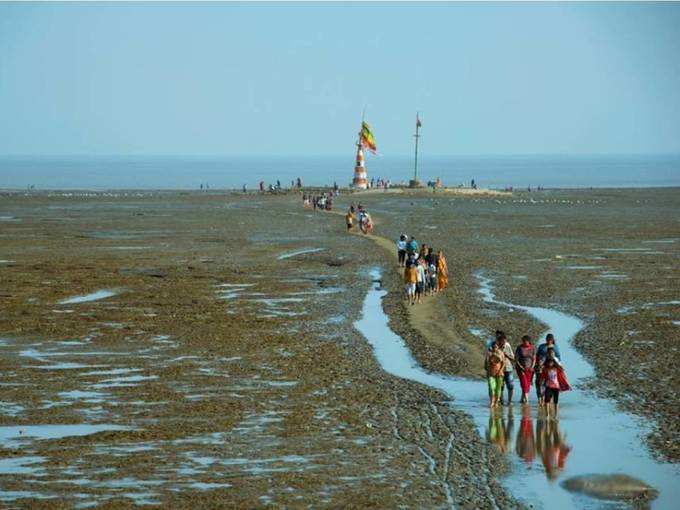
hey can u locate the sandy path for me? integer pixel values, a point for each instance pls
(431, 319)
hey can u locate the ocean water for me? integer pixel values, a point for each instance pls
(165, 172)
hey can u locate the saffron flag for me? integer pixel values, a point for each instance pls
(367, 139)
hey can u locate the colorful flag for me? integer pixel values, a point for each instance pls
(367, 139)
(418, 123)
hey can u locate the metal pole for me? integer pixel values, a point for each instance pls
(415, 169)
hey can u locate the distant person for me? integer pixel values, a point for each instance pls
(442, 271)
(401, 250)
(261, 186)
(432, 277)
(410, 280)
(420, 281)
(278, 184)
(411, 247)
(349, 219)
(299, 183)
(525, 359)
(245, 188)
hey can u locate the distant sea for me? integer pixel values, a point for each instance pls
(165, 172)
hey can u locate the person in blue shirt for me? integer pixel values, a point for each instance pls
(412, 247)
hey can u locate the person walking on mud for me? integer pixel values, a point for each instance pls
(494, 364)
(410, 281)
(349, 219)
(555, 380)
(401, 250)
(442, 271)
(525, 359)
(420, 283)
(509, 354)
(411, 247)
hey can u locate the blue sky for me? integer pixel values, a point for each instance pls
(283, 79)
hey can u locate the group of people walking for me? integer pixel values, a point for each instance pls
(425, 272)
(542, 365)
(359, 214)
(323, 201)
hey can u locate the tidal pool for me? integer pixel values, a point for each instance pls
(94, 296)
(284, 256)
(591, 435)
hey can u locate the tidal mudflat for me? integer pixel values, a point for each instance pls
(229, 374)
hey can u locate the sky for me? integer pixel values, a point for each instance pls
(290, 79)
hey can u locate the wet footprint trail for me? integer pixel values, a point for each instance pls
(592, 436)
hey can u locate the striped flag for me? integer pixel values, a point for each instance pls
(367, 139)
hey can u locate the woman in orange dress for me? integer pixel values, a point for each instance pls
(442, 271)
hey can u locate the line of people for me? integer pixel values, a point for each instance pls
(425, 272)
(541, 365)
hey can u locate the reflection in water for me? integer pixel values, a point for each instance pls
(499, 431)
(548, 441)
(525, 446)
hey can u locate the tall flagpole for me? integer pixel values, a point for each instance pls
(416, 136)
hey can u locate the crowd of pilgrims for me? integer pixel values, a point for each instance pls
(425, 272)
(540, 365)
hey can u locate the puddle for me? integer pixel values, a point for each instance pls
(11, 436)
(584, 268)
(591, 436)
(10, 408)
(94, 296)
(20, 465)
(288, 255)
(113, 371)
(206, 486)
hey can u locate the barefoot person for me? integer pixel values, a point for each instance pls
(410, 281)
(442, 271)
(541, 355)
(525, 361)
(509, 354)
(555, 380)
(494, 364)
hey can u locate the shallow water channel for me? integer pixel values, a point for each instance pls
(591, 435)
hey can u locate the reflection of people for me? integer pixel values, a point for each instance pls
(499, 431)
(551, 447)
(525, 446)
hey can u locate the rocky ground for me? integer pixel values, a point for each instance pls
(219, 368)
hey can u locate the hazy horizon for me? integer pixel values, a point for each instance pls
(189, 172)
